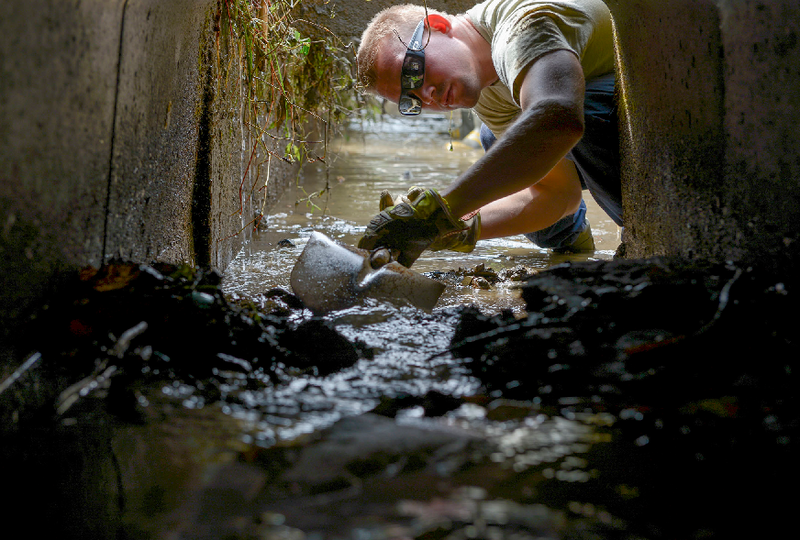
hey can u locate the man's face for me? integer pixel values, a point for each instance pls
(451, 77)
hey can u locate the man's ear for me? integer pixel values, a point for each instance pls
(439, 23)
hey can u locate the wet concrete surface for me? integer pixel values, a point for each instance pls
(603, 399)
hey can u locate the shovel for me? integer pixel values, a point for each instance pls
(330, 276)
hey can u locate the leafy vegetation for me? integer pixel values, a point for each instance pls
(298, 87)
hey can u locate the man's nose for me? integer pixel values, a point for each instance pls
(428, 94)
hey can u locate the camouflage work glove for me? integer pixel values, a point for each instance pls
(419, 220)
(462, 239)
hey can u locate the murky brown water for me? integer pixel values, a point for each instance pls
(393, 154)
(405, 443)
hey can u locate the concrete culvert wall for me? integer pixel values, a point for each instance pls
(710, 97)
(121, 136)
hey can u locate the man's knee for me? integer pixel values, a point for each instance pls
(487, 137)
(563, 232)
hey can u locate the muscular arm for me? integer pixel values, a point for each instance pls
(551, 123)
(555, 196)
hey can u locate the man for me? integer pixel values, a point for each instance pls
(526, 67)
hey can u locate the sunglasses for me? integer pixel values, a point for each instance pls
(412, 73)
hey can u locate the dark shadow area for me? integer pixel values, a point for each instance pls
(637, 399)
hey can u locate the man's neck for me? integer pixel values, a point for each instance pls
(481, 48)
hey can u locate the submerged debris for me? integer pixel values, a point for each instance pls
(636, 399)
(482, 277)
(112, 329)
(694, 364)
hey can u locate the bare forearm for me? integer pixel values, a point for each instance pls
(532, 209)
(550, 124)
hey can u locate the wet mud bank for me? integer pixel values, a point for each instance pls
(695, 362)
(634, 399)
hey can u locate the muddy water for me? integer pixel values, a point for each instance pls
(321, 418)
(392, 154)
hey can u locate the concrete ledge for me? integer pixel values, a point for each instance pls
(160, 118)
(761, 44)
(670, 89)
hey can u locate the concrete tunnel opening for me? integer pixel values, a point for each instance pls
(121, 208)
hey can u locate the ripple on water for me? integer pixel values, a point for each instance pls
(386, 155)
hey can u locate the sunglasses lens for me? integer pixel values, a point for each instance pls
(413, 72)
(409, 105)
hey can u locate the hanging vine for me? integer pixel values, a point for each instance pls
(297, 87)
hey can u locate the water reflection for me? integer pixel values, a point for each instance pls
(392, 154)
(243, 455)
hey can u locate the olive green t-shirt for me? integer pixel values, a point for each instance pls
(520, 31)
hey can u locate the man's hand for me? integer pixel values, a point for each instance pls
(418, 221)
(462, 239)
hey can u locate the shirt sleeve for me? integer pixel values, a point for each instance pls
(527, 35)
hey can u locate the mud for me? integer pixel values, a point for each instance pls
(634, 399)
(697, 364)
(116, 329)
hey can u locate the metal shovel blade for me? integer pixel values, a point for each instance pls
(330, 276)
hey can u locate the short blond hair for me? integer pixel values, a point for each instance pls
(388, 23)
